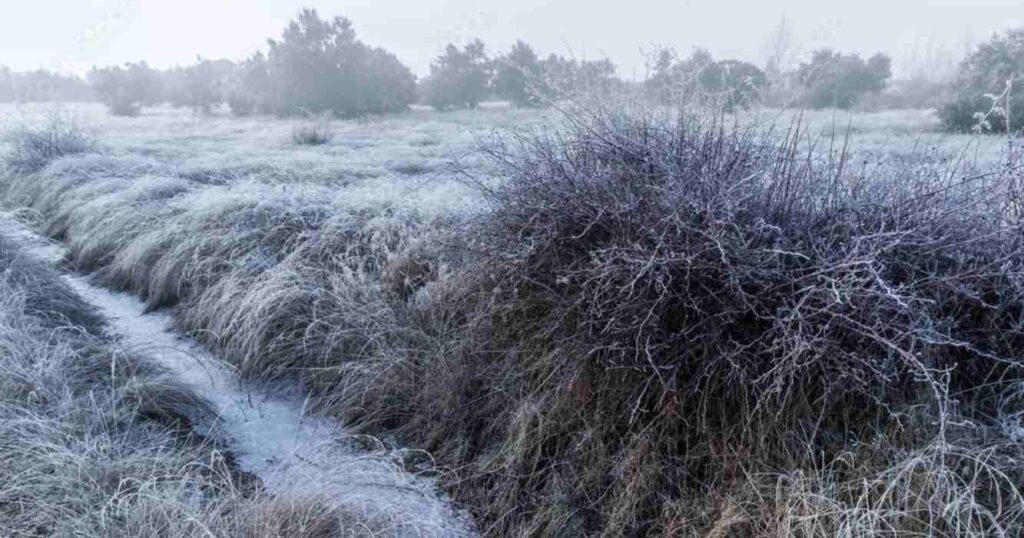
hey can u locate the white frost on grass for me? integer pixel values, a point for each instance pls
(268, 430)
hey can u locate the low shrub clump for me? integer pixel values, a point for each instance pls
(34, 147)
(315, 131)
(667, 325)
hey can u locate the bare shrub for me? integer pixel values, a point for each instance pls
(983, 97)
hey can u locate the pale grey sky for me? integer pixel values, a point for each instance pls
(72, 35)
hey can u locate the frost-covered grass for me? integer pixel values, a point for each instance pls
(94, 439)
(401, 158)
(354, 269)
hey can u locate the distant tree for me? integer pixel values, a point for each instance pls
(42, 86)
(125, 90)
(386, 85)
(517, 75)
(690, 69)
(702, 80)
(459, 77)
(441, 88)
(562, 75)
(688, 74)
(248, 88)
(673, 79)
(320, 65)
(733, 83)
(203, 86)
(832, 79)
(987, 93)
(661, 81)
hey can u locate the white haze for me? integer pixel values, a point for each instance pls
(922, 36)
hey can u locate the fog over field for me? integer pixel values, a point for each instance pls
(537, 268)
(105, 32)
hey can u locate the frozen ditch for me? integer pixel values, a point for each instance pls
(270, 432)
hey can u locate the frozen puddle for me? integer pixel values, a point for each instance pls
(271, 435)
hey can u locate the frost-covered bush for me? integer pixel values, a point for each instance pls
(984, 94)
(33, 147)
(203, 83)
(729, 84)
(241, 102)
(516, 75)
(459, 77)
(125, 90)
(832, 79)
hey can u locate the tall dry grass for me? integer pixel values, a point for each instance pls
(96, 441)
(34, 148)
(674, 325)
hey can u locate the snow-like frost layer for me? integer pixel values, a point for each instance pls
(269, 431)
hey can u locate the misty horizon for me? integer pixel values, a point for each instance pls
(921, 37)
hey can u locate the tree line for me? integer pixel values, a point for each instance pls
(42, 86)
(319, 65)
(316, 65)
(463, 77)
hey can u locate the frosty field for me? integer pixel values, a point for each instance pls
(426, 343)
(399, 159)
(404, 159)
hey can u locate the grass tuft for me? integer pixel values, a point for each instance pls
(315, 131)
(34, 147)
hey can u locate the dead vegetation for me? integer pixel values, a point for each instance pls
(671, 325)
